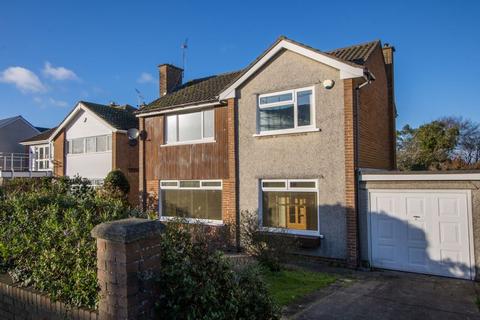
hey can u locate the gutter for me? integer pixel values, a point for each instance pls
(180, 107)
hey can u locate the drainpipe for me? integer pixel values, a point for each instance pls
(369, 77)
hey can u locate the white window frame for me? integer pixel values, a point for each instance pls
(108, 145)
(196, 141)
(47, 159)
(177, 187)
(296, 128)
(289, 189)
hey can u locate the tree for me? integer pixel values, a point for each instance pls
(428, 146)
(468, 146)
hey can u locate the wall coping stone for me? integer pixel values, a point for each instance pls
(127, 230)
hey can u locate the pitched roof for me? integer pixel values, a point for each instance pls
(119, 117)
(41, 129)
(4, 122)
(207, 89)
(201, 90)
(357, 53)
(44, 135)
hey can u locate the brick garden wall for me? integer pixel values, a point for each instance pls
(27, 304)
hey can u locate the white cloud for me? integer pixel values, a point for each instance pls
(59, 73)
(146, 78)
(58, 103)
(50, 102)
(24, 79)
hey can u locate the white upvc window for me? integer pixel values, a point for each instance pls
(289, 205)
(42, 157)
(93, 144)
(193, 200)
(286, 111)
(188, 128)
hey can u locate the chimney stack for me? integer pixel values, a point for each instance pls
(388, 57)
(389, 66)
(170, 78)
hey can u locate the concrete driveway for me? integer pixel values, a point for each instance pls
(394, 295)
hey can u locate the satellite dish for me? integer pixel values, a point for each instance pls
(132, 142)
(133, 133)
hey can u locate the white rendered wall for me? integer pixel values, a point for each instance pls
(90, 165)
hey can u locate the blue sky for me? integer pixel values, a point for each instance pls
(54, 53)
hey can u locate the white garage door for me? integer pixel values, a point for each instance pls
(421, 231)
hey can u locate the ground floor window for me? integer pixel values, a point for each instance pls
(290, 204)
(193, 199)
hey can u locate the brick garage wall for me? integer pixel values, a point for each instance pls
(125, 158)
(59, 154)
(376, 118)
(27, 304)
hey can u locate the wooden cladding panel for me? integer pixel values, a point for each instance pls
(193, 161)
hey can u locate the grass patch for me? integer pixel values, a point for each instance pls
(288, 285)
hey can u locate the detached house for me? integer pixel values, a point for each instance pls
(90, 142)
(284, 137)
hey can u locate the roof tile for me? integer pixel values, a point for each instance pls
(207, 89)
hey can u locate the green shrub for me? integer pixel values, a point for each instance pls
(116, 181)
(196, 283)
(45, 237)
(270, 250)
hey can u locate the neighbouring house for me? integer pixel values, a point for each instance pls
(13, 156)
(90, 142)
(283, 137)
(12, 131)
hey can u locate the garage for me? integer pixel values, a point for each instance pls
(419, 223)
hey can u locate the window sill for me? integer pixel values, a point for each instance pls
(186, 143)
(312, 233)
(88, 153)
(192, 221)
(305, 241)
(285, 132)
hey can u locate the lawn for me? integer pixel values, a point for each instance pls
(288, 285)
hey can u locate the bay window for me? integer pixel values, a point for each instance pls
(290, 204)
(191, 199)
(189, 127)
(286, 111)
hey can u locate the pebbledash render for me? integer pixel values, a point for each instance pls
(283, 137)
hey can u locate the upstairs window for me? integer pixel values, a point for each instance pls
(189, 127)
(286, 110)
(90, 144)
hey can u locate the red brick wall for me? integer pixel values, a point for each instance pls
(350, 174)
(376, 119)
(59, 154)
(28, 304)
(125, 158)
